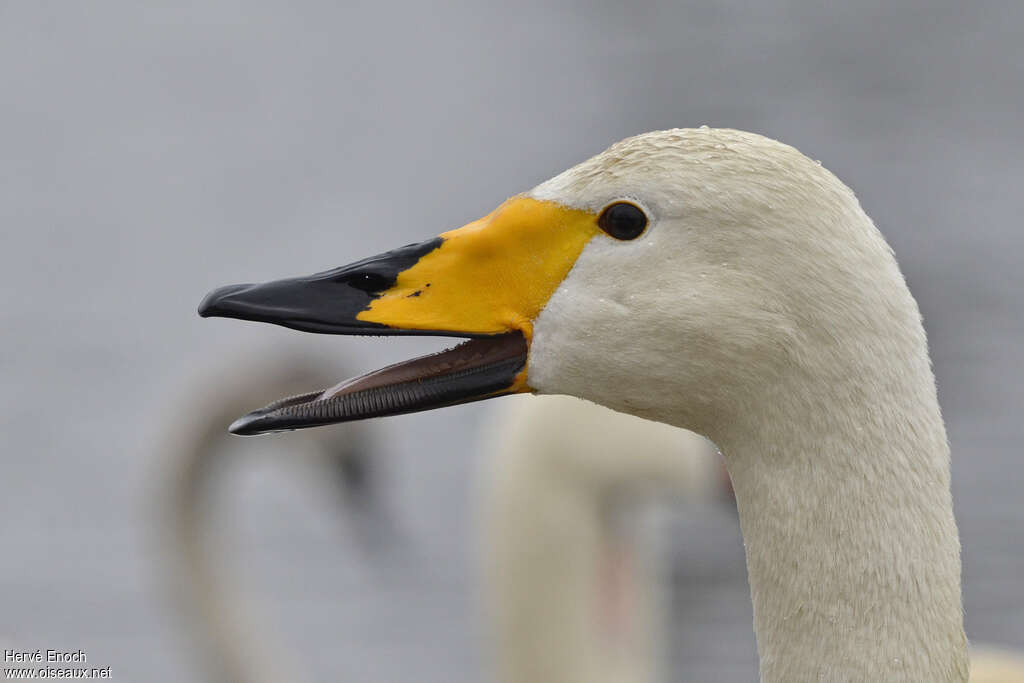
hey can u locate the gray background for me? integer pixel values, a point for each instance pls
(150, 153)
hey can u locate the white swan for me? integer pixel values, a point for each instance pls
(718, 281)
(567, 599)
(221, 621)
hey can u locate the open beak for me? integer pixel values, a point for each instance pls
(486, 282)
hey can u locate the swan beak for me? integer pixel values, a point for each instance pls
(486, 282)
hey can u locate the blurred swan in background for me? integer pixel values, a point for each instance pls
(571, 596)
(236, 645)
(552, 497)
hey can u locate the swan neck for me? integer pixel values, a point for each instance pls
(568, 598)
(236, 645)
(852, 547)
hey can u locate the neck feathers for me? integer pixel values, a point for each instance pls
(843, 485)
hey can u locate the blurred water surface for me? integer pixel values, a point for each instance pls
(152, 152)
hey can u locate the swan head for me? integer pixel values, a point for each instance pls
(678, 275)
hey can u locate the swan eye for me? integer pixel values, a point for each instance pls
(622, 220)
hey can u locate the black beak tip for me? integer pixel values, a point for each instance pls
(213, 304)
(249, 425)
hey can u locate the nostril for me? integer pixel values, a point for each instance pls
(366, 281)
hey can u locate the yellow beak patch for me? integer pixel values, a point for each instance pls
(492, 276)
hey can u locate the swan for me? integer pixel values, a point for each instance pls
(718, 281)
(235, 645)
(566, 597)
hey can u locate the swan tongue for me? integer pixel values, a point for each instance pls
(474, 370)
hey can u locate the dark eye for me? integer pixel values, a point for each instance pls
(622, 220)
